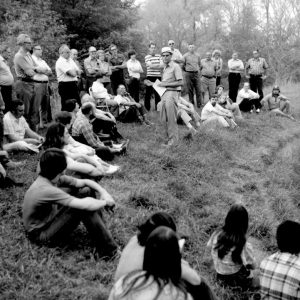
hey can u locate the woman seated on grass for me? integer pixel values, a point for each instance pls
(132, 257)
(160, 275)
(231, 253)
(57, 136)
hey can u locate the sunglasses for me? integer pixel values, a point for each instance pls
(165, 55)
(171, 44)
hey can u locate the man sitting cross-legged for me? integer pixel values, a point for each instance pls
(129, 110)
(16, 128)
(82, 131)
(214, 114)
(187, 113)
(51, 213)
(277, 103)
(280, 272)
(248, 100)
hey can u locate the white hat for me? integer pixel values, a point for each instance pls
(92, 49)
(166, 49)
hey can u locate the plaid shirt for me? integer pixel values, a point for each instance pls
(226, 266)
(82, 127)
(257, 66)
(280, 277)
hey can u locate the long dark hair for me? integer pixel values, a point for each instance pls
(156, 220)
(162, 262)
(54, 136)
(233, 233)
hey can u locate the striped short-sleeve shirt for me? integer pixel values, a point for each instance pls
(156, 60)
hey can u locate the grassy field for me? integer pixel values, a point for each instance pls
(196, 182)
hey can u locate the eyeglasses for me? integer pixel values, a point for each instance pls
(165, 55)
(171, 44)
(37, 48)
(27, 42)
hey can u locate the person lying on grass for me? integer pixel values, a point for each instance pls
(159, 276)
(280, 272)
(17, 134)
(81, 150)
(57, 136)
(55, 204)
(132, 256)
(277, 103)
(231, 253)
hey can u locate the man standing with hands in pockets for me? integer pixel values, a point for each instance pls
(172, 80)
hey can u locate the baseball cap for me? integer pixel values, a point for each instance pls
(166, 49)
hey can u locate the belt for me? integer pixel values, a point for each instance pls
(192, 71)
(31, 80)
(209, 77)
(178, 91)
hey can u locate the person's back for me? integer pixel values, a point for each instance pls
(280, 272)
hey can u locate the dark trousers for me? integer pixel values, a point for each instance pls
(201, 291)
(89, 82)
(132, 114)
(218, 81)
(102, 151)
(42, 95)
(134, 88)
(107, 85)
(68, 90)
(234, 80)
(6, 91)
(67, 219)
(246, 105)
(149, 92)
(26, 92)
(256, 85)
(107, 128)
(193, 83)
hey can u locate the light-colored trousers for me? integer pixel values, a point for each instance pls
(187, 117)
(168, 114)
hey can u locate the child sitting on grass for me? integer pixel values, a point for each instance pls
(231, 253)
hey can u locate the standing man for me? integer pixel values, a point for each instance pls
(172, 80)
(26, 68)
(80, 83)
(208, 78)
(118, 65)
(191, 66)
(67, 72)
(256, 68)
(177, 56)
(6, 77)
(235, 67)
(91, 67)
(41, 86)
(154, 66)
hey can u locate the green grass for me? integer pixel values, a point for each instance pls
(196, 182)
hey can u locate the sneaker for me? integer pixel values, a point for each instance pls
(251, 111)
(258, 111)
(112, 170)
(117, 146)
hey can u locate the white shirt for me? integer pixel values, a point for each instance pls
(134, 68)
(15, 126)
(99, 91)
(177, 55)
(6, 77)
(233, 63)
(40, 63)
(246, 95)
(62, 66)
(122, 100)
(209, 111)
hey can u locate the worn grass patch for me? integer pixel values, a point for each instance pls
(196, 182)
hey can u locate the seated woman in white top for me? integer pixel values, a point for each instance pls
(132, 257)
(248, 100)
(160, 275)
(57, 136)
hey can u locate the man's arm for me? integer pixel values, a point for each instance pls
(89, 70)
(175, 83)
(33, 135)
(28, 68)
(90, 137)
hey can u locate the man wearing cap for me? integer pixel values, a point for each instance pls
(191, 66)
(177, 56)
(172, 80)
(26, 69)
(208, 78)
(67, 73)
(91, 67)
(41, 86)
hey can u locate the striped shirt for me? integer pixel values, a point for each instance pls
(280, 277)
(155, 60)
